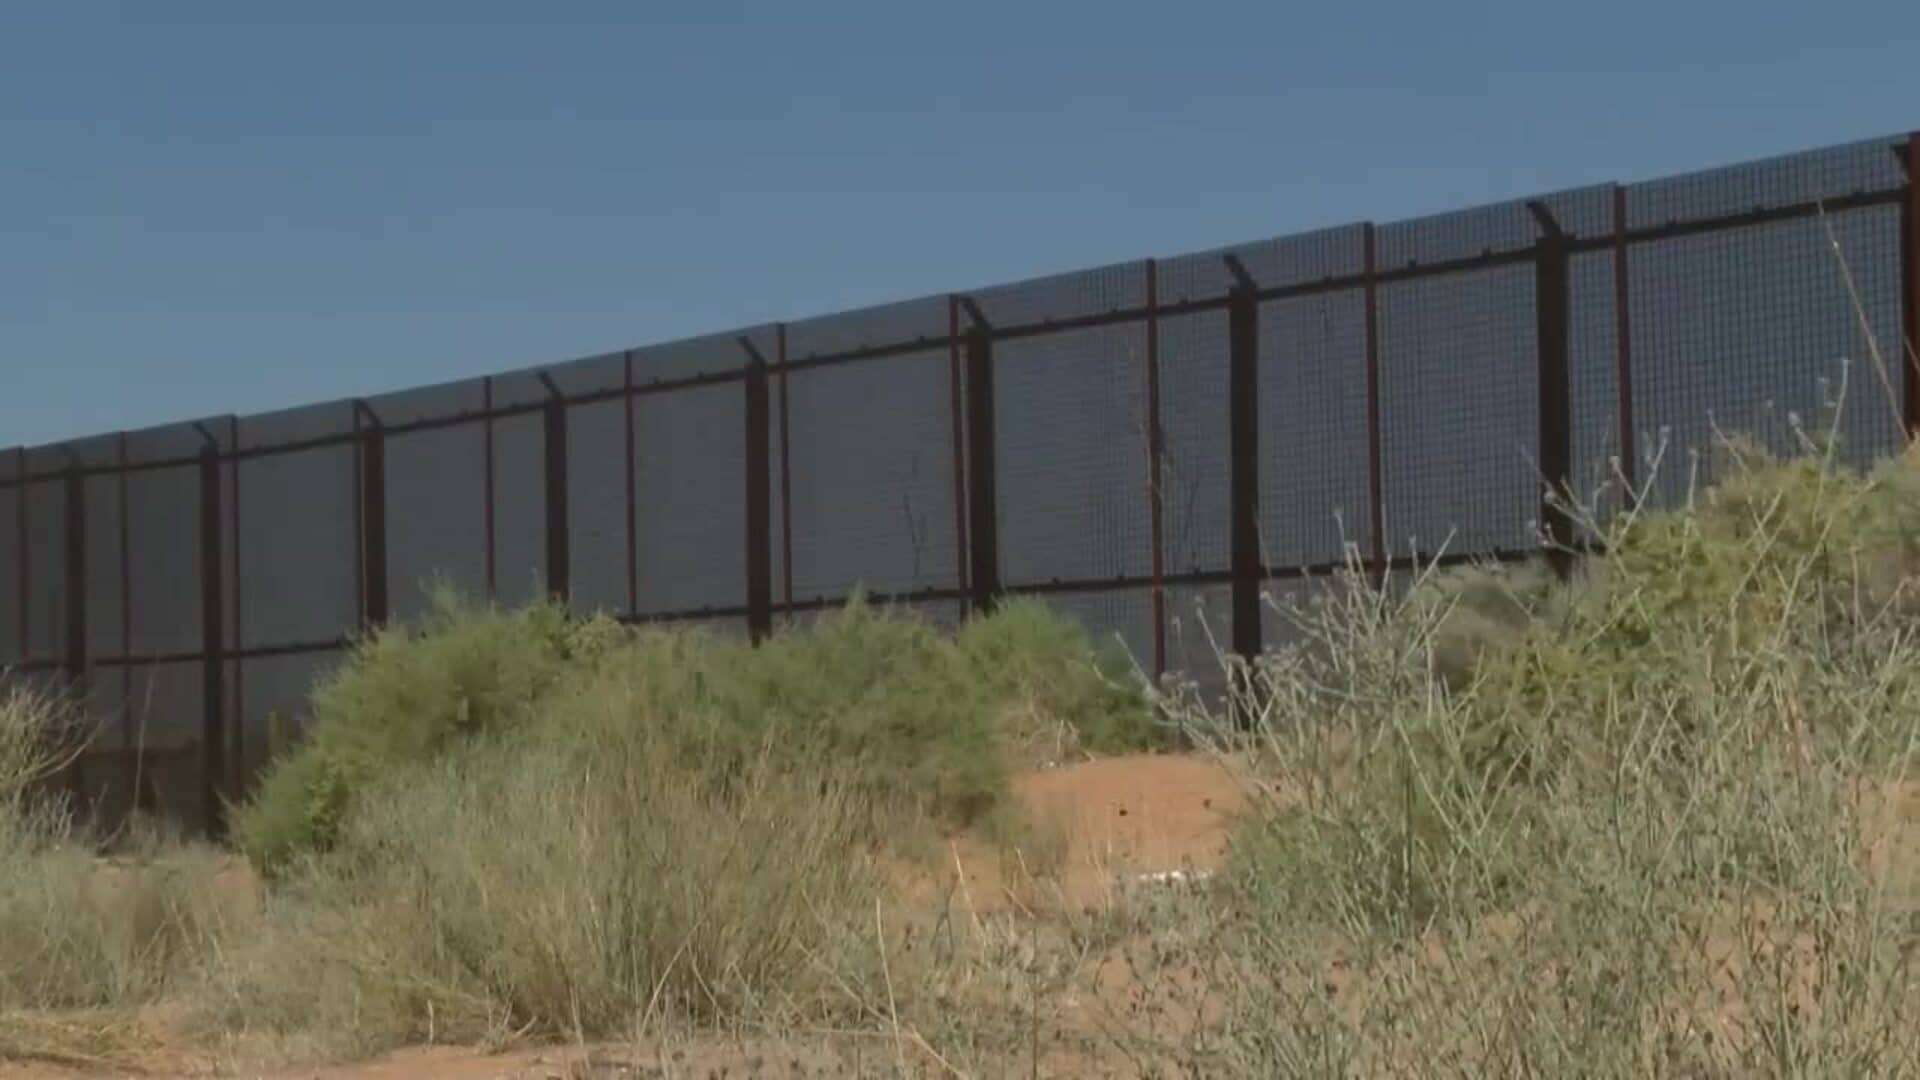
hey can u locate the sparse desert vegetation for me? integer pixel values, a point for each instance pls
(1657, 819)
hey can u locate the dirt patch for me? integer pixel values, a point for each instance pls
(1096, 828)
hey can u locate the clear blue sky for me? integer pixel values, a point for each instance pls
(206, 208)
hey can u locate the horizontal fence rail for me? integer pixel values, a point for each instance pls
(1168, 451)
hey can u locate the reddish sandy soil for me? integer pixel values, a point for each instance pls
(1100, 826)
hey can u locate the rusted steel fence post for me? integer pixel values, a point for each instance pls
(74, 539)
(1552, 306)
(1910, 285)
(759, 497)
(1376, 482)
(962, 555)
(1623, 336)
(213, 733)
(1243, 448)
(559, 547)
(786, 479)
(1156, 451)
(374, 604)
(983, 522)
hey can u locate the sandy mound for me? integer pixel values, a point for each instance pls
(1098, 827)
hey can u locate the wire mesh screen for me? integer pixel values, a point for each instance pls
(163, 510)
(1313, 428)
(1194, 471)
(690, 481)
(1119, 623)
(1593, 376)
(1081, 293)
(1459, 401)
(106, 587)
(597, 506)
(1815, 175)
(1753, 332)
(12, 554)
(46, 581)
(297, 553)
(276, 700)
(436, 516)
(872, 476)
(1071, 456)
(520, 508)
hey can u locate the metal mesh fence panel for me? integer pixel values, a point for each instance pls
(1752, 332)
(168, 704)
(597, 506)
(1825, 174)
(46, 580)
(105, 586)
(689, 462)
(707, 356)
(12, 553)
(1195, 468)
(276, 702)
(436, 516)
(1459, 412)
(163, 511)
(1593, 364)
(872, 476)
(1071, 456)
(1119, 622)
(1037, 301)
(924, 319)
(1313, 428)
(1461, 234)
(520, 508)
(297, 552)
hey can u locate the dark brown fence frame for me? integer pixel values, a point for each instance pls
(970, 341)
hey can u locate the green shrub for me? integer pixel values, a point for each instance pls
(405, 694)
(913, 718)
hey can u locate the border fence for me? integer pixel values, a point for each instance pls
(1145, 446)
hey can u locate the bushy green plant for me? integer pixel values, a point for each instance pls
(914, 718)
(406, 693)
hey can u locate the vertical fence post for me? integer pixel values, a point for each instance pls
(75, 543)
(759, 497)
(22, 565)
(559, 548)
(786, 479)
(128, 739)
(963, 568)
(1243, 448)
(239, 763)
(1376, 482)
(1910, 285)
(983, 501)
(486, 506)
(1156, 450)
(374, 604)
(213, 734)
(1552, 304)
(632, 492)
(1623, 334)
